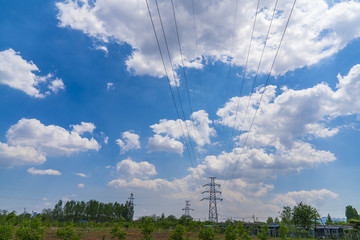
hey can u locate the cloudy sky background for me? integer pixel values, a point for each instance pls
(86, 110)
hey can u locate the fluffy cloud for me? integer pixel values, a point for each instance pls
(81, 185)
(82, 175)
(49, 140)
(19, 155)
(323, 30)
(158, 143)
(313, 197)
(18, 73)
(34, 171)
(129, 169)
(198, 129)
(83, 127)
(128, 142)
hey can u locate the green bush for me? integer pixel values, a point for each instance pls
(230, 233)
(147, 229)
(118, 232)
(283, 231)
(6, 232)
(31, 230)
(243, 233)
(263, 234)
(68, 232)
(178, 233)
(207, 234)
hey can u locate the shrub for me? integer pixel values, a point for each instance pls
(68, 232)
(6, 232)
(283, 231)
(243, 233)
(207, 234)
(178, 233)
(230, 233)
(31, 230)
(263, 234)
(118, 232)
(147, 229)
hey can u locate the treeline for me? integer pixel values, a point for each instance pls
(92, 210)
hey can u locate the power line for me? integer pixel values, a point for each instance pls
(169, 84)
(242, 84)
(253, 86)
(262, 94)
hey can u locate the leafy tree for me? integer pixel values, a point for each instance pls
(118, 232)
(243, 233)
(6, 231)
(270, 220)
(68, 232)
(283, 231)
(287, 215)
(351, 213)
(207, 234)
(147, 228)
(31, 230)
(230, 233)
(304, 215)
(329, 220)
(58, 211)
(178, 233)
(263, 234)
(276, 221)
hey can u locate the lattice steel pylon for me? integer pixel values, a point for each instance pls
(131, 200)
(187, 209)
(213, 214)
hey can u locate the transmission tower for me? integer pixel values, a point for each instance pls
(131, 200)
(213, 215)
(187, 209)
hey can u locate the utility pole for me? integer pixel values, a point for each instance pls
(213, 215)
(187, 209)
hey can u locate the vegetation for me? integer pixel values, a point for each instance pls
(118, 233)
(207, 234)
(68, 232)
(351, 213)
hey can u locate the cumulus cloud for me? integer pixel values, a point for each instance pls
(34, 171)
(129, 141)
(323, 30)
(110, 86)
(19, 74)
(313, 197)
(49, 140)
(83, 127)
(129, 169)
(159, 143)
(81, 185)
(19, 155)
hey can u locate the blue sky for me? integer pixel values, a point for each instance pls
(86, 111)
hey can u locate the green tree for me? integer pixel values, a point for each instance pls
(270, 220)
(243, 233)
(287, 215)
(31, 230)
(178, 233)
(283, 231)
(207, 234)
(304, 215)
(328, 220)
(68, 232)
(118, 232)
(230, 233)
(6, 231)
(351, 213)
(263, 234)
(276, 221)
(147, 228)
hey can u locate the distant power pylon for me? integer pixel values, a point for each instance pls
(187, 209)
(131, 200)
(213, 215)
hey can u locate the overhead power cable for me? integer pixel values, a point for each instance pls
(254, 81)
(177, 87)
(241, 88)
(262, 94)
(186, 81)
(169, 84)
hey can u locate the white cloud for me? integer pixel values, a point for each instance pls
(83, 127)
(158, 143)
(129, 141)
(18, 73)
(323, 30)
(129, 169)
(313, 197)
(199, 129)
(19, 155)
(34, 171)
(82, 175)
(103, 48)
(49, 140)
(81, 185)
(110, 86)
